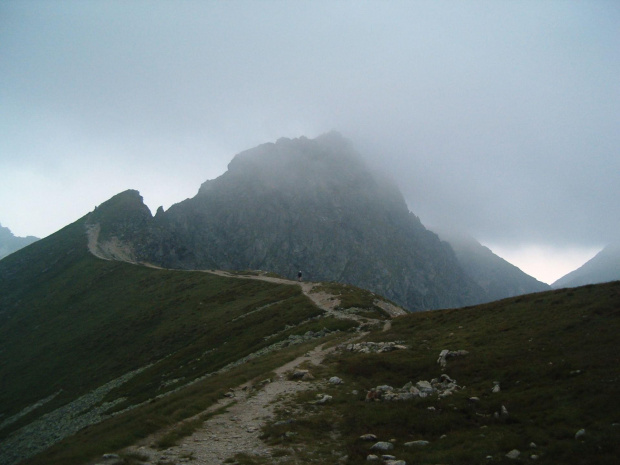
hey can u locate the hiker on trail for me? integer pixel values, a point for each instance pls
(299, 276)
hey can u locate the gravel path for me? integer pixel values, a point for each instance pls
(236, 430)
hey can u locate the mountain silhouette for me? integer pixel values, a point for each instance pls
(603, 267)
(297, 204)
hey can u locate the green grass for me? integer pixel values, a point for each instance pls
(554, 354)
(70, 322)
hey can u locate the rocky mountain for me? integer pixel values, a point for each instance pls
(10, 243)
(300, 204)
(603, 267)
(496, 276)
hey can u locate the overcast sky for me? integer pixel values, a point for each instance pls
(497, 118)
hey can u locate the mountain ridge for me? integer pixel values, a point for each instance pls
(10, 243)
(300, 204)
(603, 267)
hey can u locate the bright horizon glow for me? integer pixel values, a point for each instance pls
(545, 263)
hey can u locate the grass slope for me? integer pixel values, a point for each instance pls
(70, 322)
(554, 355)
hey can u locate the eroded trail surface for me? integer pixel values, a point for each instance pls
(237, 429)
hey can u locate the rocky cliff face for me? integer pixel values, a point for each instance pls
(309, 205)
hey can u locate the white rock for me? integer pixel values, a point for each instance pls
(581, 433)
(323, 398)
(335, 380)
(382, 446)
(419, 443)
(372, 458)
(513, 454)
(368, 437)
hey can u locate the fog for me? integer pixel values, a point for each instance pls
(499, 119)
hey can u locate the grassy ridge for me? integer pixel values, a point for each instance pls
(78, 322)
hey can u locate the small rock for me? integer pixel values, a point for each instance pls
(581, 433)
(474, 399)
(504, 411)
(299, 374)
(323, 398)
(418, 443)
(382, 446)
(496, 388)
(533, 445)
(368, 437)
(534, 457)
(395, 462)
(372, 458)
(388, 457)
(335, 380)
(513, 454)
(307, 377)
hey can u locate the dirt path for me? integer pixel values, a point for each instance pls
(236, 430)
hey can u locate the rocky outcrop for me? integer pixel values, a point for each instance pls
(372, 347)
(441, 387)
(299, 204)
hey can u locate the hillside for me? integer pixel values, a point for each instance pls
(299, 204)
(602, 268)
(107, 357)
(496, 276)
(473, 384)
(83, 338)
(10, 243)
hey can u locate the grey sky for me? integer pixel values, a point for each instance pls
(501, 119)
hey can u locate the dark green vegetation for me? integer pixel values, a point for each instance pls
(554, 355)
(70, 322)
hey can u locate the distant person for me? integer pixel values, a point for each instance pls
(299, 276)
